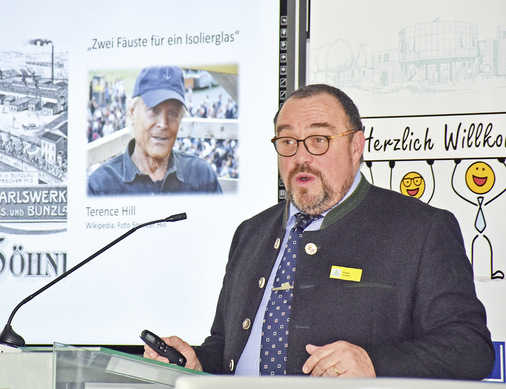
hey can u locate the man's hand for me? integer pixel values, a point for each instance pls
(192, 362)
(339, 359)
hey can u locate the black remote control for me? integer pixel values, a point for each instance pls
(162, 348)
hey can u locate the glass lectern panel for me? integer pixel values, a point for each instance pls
(82, 367)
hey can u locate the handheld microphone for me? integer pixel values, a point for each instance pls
(10, 338)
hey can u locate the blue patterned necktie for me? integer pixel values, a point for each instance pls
(275, 327)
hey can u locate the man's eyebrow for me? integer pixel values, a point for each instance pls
(321, 125)
(311, 126)
(283, 127)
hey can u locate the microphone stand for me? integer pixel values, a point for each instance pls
(11, 338)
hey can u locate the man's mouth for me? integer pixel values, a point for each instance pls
(160, 138)
(304, 178)
(303, 175)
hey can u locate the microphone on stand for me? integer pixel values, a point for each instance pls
(10, 338)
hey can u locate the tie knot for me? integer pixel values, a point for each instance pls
(303, 220)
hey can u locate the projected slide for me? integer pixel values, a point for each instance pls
(94, 140)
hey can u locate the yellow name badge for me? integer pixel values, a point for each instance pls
(346, 273)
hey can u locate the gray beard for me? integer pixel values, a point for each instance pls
(320, 202)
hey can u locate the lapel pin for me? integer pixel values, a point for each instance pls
(311, 249)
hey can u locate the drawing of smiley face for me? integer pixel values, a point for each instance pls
(480, 177)
(413, 185)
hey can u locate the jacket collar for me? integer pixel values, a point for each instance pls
(342, 209)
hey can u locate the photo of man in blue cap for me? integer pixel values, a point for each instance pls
(150, 165)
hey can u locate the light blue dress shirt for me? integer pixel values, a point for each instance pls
(249, 362)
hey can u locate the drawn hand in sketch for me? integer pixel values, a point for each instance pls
(480, 179)
(369, 168)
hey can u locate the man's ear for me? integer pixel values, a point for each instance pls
(358, 144)
(130, 111)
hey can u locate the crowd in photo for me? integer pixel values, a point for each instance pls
(221, 154)
(107, 111)
(216, 109)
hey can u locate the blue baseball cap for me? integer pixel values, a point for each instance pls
(160, 83)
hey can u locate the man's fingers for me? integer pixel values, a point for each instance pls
(338, 359)
(152, 354)
(318, 354)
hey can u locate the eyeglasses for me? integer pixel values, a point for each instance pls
(408, 181)
(286, 146)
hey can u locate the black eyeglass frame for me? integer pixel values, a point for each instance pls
(328, 137)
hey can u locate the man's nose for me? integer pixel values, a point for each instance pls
(302, 155)
(163, 120)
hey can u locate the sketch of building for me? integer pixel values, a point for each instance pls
(33, 131)
(430, 55)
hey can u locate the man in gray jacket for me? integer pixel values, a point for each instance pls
(381, 284)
